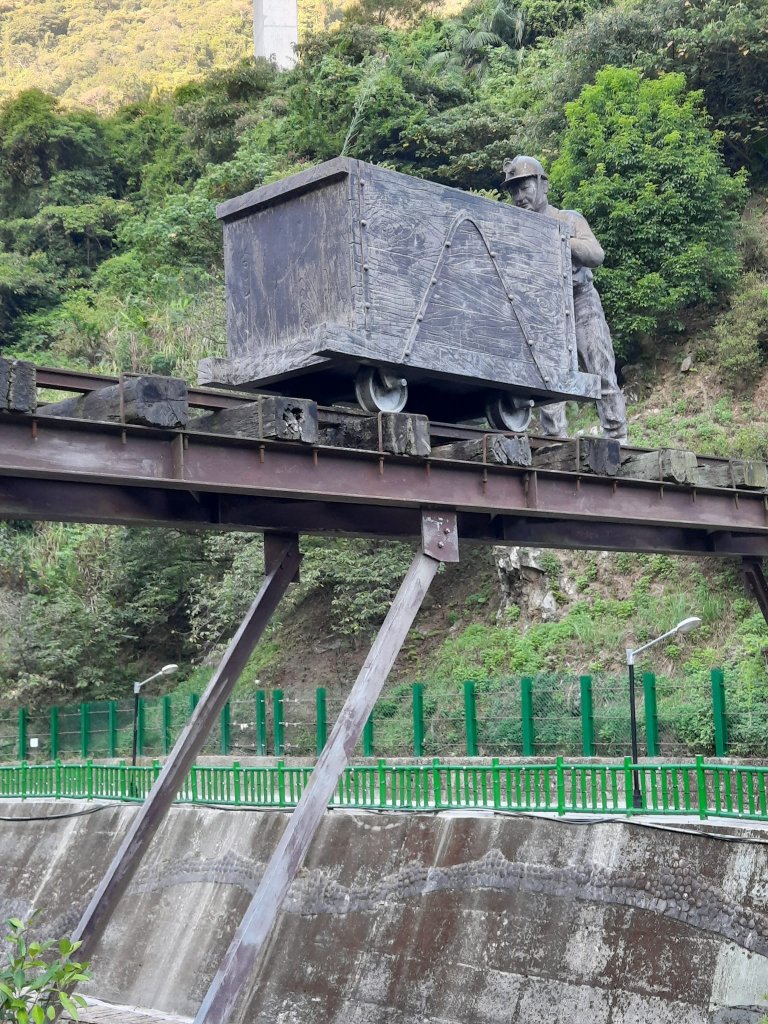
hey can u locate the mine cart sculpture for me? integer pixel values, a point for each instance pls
(352, 281)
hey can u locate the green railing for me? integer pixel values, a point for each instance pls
(705, 790)
(539, 716)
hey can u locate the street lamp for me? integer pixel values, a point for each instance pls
(166, 670)
(682, 627)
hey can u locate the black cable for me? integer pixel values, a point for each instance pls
(491, 811)
(69, 814)
(726, 837)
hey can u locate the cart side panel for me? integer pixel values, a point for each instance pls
(455, 279)
(288, 267)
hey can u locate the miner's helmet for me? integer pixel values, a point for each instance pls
(522, 167)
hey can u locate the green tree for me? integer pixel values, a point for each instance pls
(481, 28)
(27, 283)
(639, 161)
(548, 17)
(58, 208)
(721, 47)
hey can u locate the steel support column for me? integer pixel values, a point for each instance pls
(753, 574)
(281, 554)
(439, 543)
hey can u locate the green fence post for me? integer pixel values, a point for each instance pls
(54, 733)
(587, 718)
(701, 786)
(321, 718)
(418, 720)
(628, 786)
(651, 714)
(22, 733)
(718, 712)
(560, 773)
(278, 721)
(382, 773)
(496, 783)
(167, 712)
(470, 718)
(112, 729)
(437, 785)
(261, 723)
(236, 782)
(226, 733)
(140, 713)
(193, 701)
(526, 708)
(89, 779)
(85, 729)
(23, 780)
(368, 737)
(281, 783)
(57, 779)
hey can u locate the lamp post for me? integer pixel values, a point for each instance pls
(682, 627)
(166, 670)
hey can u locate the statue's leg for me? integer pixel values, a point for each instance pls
(553, 420)
(593, 340)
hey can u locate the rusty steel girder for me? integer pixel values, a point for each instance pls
(74, 470)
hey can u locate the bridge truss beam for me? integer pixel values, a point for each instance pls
(74, 470)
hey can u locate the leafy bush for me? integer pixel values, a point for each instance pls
(37, 978)
(359, 578)
(741, 334)
(721, 48)
(639, 161)
(548, 17)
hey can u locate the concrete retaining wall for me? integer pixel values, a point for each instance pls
(404, 919)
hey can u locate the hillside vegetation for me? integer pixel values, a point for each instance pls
(104, 53)
(651, 115)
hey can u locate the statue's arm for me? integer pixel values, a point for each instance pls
(585, 248)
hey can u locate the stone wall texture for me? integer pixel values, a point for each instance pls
(415, 919)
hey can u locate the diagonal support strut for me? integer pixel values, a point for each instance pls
(756, 582)
(281, 558)
(439, 544)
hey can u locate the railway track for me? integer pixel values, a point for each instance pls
(148, 451)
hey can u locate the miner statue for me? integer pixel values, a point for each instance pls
(528, 185)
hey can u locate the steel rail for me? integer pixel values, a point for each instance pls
(213, 398)
(81, 381)
(137, 474)
(61, 469)
(74, 449)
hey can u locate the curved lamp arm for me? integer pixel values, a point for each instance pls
(693, 622)
(166, 670)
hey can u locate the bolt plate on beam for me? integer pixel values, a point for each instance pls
(439, 535)
(274, 546)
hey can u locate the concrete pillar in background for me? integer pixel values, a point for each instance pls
(276, 30)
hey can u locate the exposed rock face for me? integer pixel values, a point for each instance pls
(525, 582)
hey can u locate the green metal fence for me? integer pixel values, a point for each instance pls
(541, 716)
(701, 789)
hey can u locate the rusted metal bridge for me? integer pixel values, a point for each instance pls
(69, 468)
(150, 452)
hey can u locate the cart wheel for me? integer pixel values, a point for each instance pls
(507, 412)
(379, 391)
